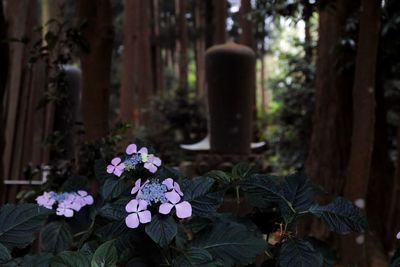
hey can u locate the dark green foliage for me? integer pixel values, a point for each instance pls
(231, 243)
(56, 237)
(299, 253)
(70, 259)
(20, 223)
(4, 254)
(196, 257)
(105, 255)
(113, 188)
(162, 229)
(197, 192)
(341, 216)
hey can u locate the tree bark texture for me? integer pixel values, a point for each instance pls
(182, 44)
(200, 46)
(96, 67)
(363, 118)
(137, 78)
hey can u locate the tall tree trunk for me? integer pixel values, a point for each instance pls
(246, 37)
(307, 13)
(156, 49)
(137, 81)
(330, 141)
(363, 118)
(4, 56)
(182, 44)
(96, 67)
(215, 29)
(200, 47)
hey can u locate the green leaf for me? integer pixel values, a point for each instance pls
(113, 188)
(162, 229)
(194, 257)
(298, 190)
(105, 255)
(231, 242)
(70, 259)
(20, 223)
(4, 254)
(242, 171)
(197, 192)
(341, 216)
(42, 260)
(299, 253)
(56, 237)
(115, 211)
(220, 176)
(100, 171)
(262, 190)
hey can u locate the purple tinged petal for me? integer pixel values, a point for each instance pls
(132, 206)
(142, 205)
(132, 220)
(169, 183)
(136, 188)
(82, 193)
(398, 236)
(143, 150)
(131, 149)
(150, 167)
(110, 168)
(118, 172)
(173, 197)
(177, 189)
(120, 167)
(88, 200)
(144, 216)
(115, 161)
(183, 210)
(156, 161)
(165, 208)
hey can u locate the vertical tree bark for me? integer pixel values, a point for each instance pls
(200, 46)
(96, 67)
(157, 58)
(182, 44)
(246, 37)
(4, 56)
(363, 117)
(215, 29)
(137, 81)
(330, 141)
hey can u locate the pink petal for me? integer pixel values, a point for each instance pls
(132, 148)
(143, 150)
(132, 220)
(136, 187)
(173, 197)
(110, 168)
(120, 167)
(183, 210)
(169, 183)
(165, 208)
(144, 216)
(177, 188)
(132, 206)
(398, 235)
(142, 205)
(156, 161)
(88, 200)
(82, 193)
(150, 167)
(118, 172)
(115, 161)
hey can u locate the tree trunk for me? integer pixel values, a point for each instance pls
(96, 67)
(200, 47)
(246, 37)
(363, 118)
(3, 82)
(182, 44)
(156, 49)
(215, 28)
(137, 80)
(330, 141)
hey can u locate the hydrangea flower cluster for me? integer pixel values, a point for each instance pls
(167, 194)
(132, 159)
(67, 202)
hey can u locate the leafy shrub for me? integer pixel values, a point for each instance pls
(145, 214)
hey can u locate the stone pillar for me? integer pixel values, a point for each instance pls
(230, 75)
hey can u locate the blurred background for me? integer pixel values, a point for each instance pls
(80, 79)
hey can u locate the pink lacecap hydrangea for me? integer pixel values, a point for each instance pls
(116, 167)
(68, 203)
(168, 194)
